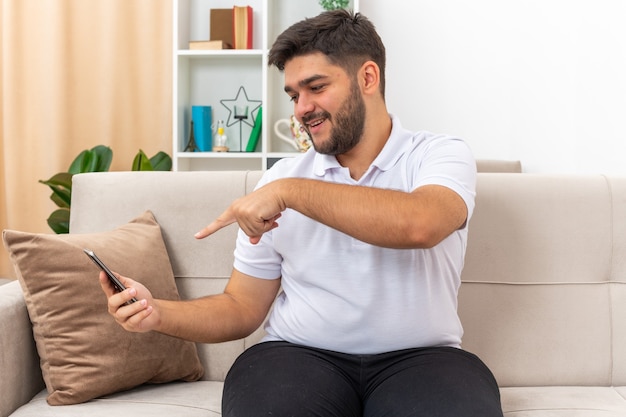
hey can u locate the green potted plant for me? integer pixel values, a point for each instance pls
(334, 4)
(96, 159)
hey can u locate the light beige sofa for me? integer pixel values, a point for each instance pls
(543, 299)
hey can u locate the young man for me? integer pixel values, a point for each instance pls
(366, 234)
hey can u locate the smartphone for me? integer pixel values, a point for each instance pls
(116, 282)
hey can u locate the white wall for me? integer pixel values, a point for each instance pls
(542, 81)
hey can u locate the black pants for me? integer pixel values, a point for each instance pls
(281, 379)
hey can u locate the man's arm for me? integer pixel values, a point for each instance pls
(234, 314)
(388, 218)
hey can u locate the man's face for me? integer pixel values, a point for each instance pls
(327, 101)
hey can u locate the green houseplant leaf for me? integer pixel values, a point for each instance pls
(161, 162)
(142, 162)
(334, 4)
(104, 157)
(61, 186)
(96, 159)
(59, 221)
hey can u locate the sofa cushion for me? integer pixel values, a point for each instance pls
(83, 352)
(197, 399)
(563, 401)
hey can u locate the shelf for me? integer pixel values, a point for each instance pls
(220, 53)
(218, 155)
(234, 154)
(207, 77)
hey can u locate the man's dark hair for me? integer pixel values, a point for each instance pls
(346, 38)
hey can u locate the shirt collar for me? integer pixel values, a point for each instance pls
(386, 159)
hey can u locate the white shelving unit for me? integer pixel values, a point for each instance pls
(204, 77)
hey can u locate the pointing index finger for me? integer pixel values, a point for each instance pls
(217, 224)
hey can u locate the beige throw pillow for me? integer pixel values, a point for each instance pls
(84, 352)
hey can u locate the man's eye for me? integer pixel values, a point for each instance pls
(317, 87)
(293, 99)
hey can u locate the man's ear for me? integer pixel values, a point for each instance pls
(369, 77)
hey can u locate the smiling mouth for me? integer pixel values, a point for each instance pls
(317, 122)
(313, 122)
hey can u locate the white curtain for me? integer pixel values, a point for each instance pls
(75, 74)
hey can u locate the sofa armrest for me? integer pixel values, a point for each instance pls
(19, 363)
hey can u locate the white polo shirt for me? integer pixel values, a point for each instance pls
(341, 294)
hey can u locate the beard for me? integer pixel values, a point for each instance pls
(348, 125)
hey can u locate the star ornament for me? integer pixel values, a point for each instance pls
(241, 101)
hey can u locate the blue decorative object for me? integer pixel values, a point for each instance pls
(202, 119)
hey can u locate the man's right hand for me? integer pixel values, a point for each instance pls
(140, 316)
(257, 213)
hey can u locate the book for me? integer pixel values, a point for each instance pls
(256, 131)
(217, 44)
(221, 26)
(242, 27)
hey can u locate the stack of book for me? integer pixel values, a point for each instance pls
(229, 28)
